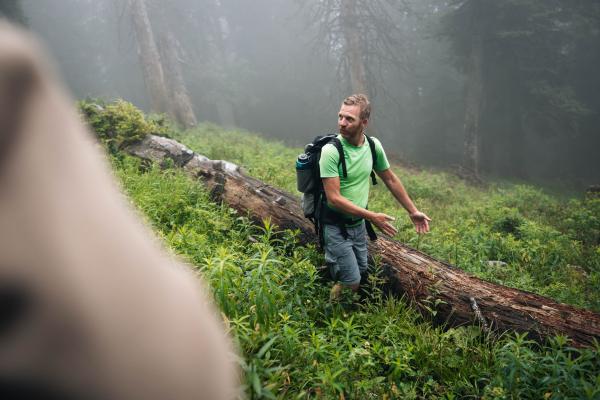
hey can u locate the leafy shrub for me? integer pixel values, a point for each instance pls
(119, 123)
(508, 220)
(582, 220)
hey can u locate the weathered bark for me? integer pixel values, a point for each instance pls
(354, 48)
(419, 277)
(148, 56)
(180, 105)
(474, 97)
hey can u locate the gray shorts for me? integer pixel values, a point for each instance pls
(346, 258)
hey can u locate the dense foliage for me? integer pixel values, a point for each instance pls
(295, 344)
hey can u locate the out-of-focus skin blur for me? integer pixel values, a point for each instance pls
(91, 306)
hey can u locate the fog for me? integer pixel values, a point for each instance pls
(484, 88)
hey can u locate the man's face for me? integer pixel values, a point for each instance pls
(349, 122)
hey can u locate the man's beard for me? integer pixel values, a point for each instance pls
(358, 129)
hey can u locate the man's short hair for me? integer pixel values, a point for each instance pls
(362, 101)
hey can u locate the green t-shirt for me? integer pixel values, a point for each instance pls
(359, 163)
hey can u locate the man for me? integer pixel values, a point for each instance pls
(346, 243)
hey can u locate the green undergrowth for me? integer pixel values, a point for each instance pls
(295, 344)
(515, 235)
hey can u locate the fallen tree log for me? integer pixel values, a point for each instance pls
(458, 297)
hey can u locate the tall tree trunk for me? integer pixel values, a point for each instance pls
(149, 57)
(180, 105)
(354, 48)
(222, 60)
(225, 112)
(517, 145)
(474, 96)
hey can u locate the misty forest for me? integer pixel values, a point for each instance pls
(489, 113)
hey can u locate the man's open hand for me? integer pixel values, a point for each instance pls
(381, 221)
(421, 221)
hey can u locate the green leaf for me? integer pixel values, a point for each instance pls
(266, 347)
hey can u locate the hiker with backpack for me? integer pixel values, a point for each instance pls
(333, 175)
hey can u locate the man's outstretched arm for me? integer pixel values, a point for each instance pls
(393, 183)
(335, 199)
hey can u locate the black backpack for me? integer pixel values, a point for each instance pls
(308, 179)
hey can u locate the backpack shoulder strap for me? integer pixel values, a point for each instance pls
(374, 156)
(338, 145)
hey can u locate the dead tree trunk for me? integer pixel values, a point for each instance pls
(419, 277)
(148, 56)
(179, 100)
